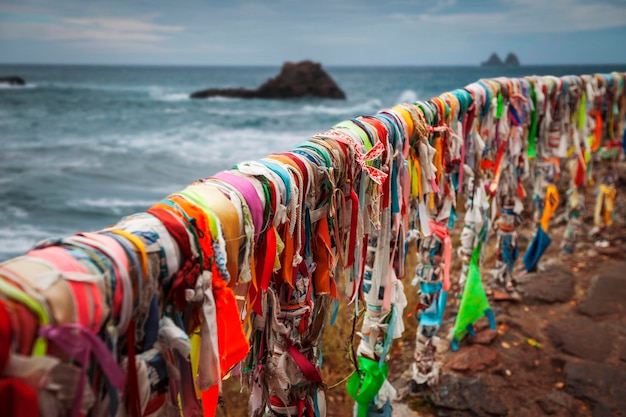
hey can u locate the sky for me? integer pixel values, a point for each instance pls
(333, 32)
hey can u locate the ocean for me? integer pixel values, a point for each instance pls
(83, 146)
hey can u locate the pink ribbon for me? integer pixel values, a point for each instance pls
(387, 294)
(375, 174)
(82, 292)
(249, 193)
(79, 343)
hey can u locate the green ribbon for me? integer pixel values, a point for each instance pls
(582, 112)
(474, 303)
(365, 384)
(349, 124)
(532, 130)
(199, 201)
(500, 108)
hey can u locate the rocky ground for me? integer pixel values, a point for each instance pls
(560, 350)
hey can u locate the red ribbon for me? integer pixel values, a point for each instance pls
(310, 372)
(6, 335)
(353, 226)
(266, 251)
(131, 371)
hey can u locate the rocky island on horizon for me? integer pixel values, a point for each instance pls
(494, 60)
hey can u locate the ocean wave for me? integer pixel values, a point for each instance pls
(114, 205)
(174, 111)
(4, 86)
(160, 94)
(14, 212)
(61, 85)
(366, 107)
(174, 97)
(359, 108)
(407, 96)
(17, 239)
(203, 149)
(222, 98)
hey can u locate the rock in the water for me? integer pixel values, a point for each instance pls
(473, 359)
(493, 61)
(582, 337)
(296, 80)
(555, 285)
(607, 293)
(511, 60)
(12, 80)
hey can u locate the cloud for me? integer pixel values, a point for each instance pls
(335, 32)
(94, 32)
(123, 25)
(527, 16)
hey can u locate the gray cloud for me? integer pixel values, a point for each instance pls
(348, 32)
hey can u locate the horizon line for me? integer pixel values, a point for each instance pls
(479, 65)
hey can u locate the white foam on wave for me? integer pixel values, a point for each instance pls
(222, 98)
(88, 86)
(14, 212)
(115, 205)
(407, 96)
(175, 97)
(174, 111)
(4, 86)
(204, 147)
(160, 94)
(90, 162)
(366, 107)
(15, 240)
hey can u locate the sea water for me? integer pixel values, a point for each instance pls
(83, 146)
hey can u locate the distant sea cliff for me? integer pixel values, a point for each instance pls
(494, 60)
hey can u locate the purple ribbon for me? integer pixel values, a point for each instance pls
(79, 342)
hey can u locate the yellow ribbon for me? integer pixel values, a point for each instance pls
(550, 206)
(143, 256)
(606, 197)
(12, 291)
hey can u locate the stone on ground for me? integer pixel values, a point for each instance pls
(582, 337)
(465, 396)
(555, 285)
(607, 293)
(473, 358)
(601, 384)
